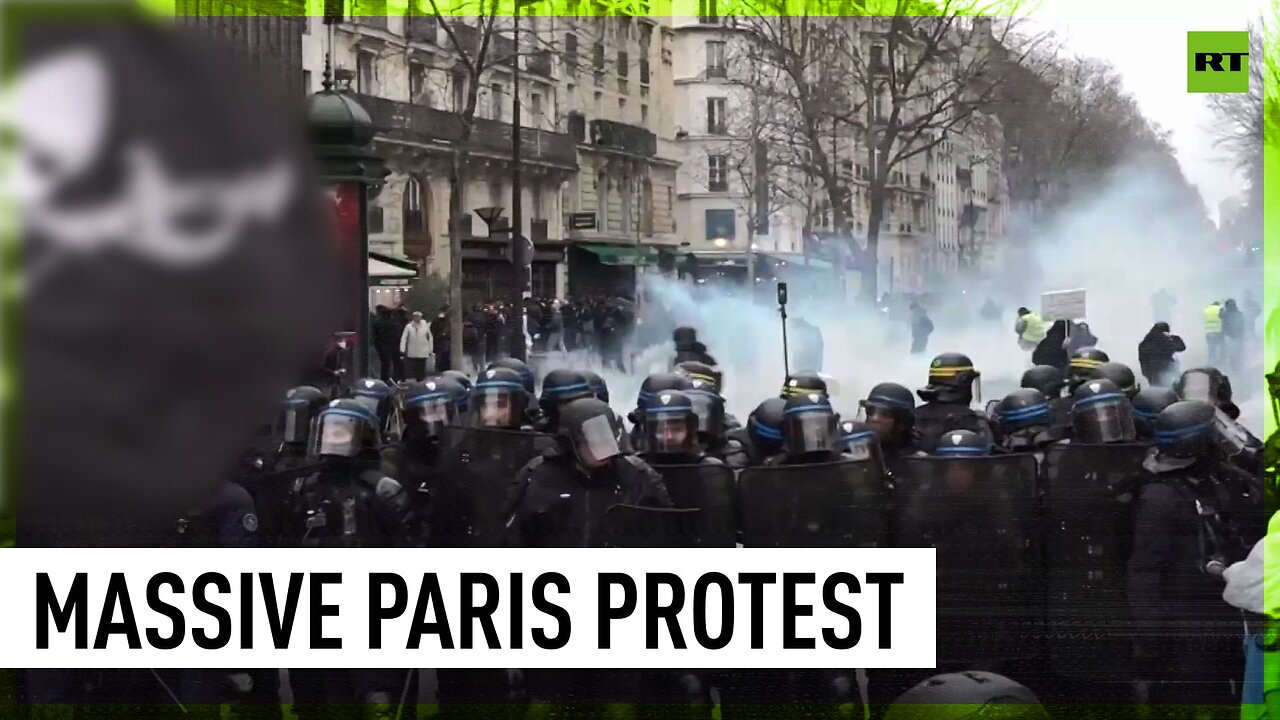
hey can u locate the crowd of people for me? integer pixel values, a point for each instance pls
(1080, 479)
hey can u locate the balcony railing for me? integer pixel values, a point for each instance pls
(397, 120)
(621, 136)
(717, 71)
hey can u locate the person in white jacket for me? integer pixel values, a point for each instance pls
(416, 346)
(1253, 585)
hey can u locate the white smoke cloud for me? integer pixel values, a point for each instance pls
(1122, 243)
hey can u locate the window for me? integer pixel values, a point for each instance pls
(720, 225)
(717, 173)
(459, 92)
(364, 73)
(597, 104)
(413, 207)
(598, 59)
(495, 101)
(716, 116)
(879, 103)
(715, 59)
(535, 110)
(306, 82)
(374, 217)
(417, 81)
(877, 56)
(622, 109)
(644, 71)
(644, 115)
(570, 52)
(599, 78)
(624, 63)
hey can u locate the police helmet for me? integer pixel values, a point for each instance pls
(764, 424)
(808, 424)
(1184, 430)
(377, 396)
(1083, 363)
(656, 383)
(431, 405)
(561, 386)
(951, 379)
(967, 696)
(347, 429)
(1121, 375)
(961, 443)
(708, 406)
(510, 363)
(670, 424)
(598, 386)
(459, 377)
(856, 440)
(1210, 385)
(891, 399)
(1100, 413)
(301, 407)
(803, 383)
(1048, 379)
(695, 370)
(498, 399)
(1022, 409)
(592, 431)
(1147, 405)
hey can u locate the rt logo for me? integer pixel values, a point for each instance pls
(1218, 62)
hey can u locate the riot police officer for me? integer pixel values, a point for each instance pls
(1024, 419)
(890, 410)
(857, 440)
(528, 381)
(809, 427)
(1233, 440)
(1082, 365)
(430, 406)
(464, 381)
(1210, 385)
(1050, 381)
(652, 385)
(559, 387)
(671, 430)
(499, 400)
(347, 502)
(689, 348)
(946, 401)
(1146, 407)
(803, 383)
(1120, 374)
(598, 386)
(379, 398)
(761, 439)
(302, 405)
(561, 496)
(1101, 414)
(713, 380)
(1186, 531)
(708, 406)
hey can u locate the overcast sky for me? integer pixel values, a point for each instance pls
(1146, 40)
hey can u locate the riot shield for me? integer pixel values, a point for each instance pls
(836, 504)
(981, 515)
(478, 467)
(1088, 535)
(631, 526)
(711, 489)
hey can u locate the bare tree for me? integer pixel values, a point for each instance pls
(1242, 119)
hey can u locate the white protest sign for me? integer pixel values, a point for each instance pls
(1063, 305)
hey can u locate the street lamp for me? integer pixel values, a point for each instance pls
(341, 135)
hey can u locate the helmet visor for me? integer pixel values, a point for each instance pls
(710, 411)
(668, 432)
(497, 408)
(431, 413)
(338, 434)
(1104, 419)
(295, 423)
(597, 442)
(370, 402)
(809, 432)
(1197, 386)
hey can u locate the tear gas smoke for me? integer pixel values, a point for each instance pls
(1122, 242)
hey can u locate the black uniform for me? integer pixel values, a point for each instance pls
(1186, 530)
(947, 398)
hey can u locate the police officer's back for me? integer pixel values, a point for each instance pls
(761, 439)
(946, 401)
(560, 498)
(1050, 381)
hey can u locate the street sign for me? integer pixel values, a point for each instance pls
(1063, 305)
(582, 221)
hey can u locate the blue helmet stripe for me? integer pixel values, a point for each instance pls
(350, 413)
(1032, 411)
(959, 450)
(428, 396)
(767, 432)
(860, 435)
(1104, 397)
(659, 409)
(1169, 437)
(576, 387)
(889, 401)
(497, 384)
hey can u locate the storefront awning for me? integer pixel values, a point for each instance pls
(386, 271)
(622, 254)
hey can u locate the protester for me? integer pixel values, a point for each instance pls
(416, 346)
